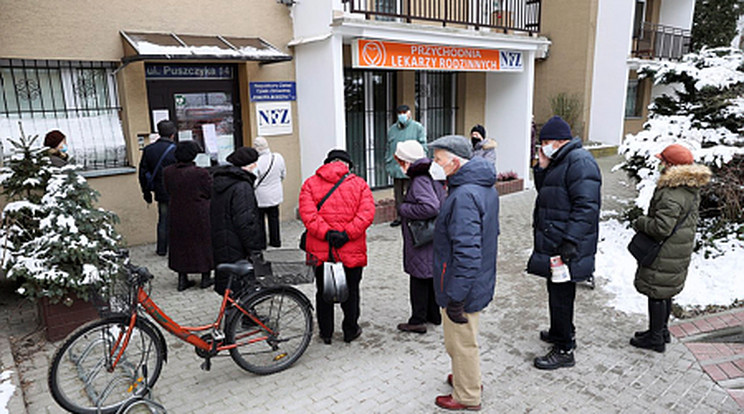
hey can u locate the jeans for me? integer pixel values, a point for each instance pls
(272, 213)
(324, 309)
(561, 303)
(162, 247)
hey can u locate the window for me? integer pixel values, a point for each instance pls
(435, 103)
(633, 99)
(78, 98)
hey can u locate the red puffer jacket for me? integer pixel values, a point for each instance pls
(350, 208)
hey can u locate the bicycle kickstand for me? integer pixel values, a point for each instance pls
(207, 364)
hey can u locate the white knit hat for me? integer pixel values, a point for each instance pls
(260, 144)
(409, 151)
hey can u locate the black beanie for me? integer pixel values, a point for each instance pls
(555, 129)
(186, 150)
(339, 154)
(479, 129)
(243, 156)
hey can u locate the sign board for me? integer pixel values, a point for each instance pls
(415, 56)
(273, 91)
(274, 118)
(174, 71)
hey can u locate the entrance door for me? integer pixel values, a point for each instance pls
(205, 110)
(436, 103)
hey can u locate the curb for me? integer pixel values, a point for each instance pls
(16, 404)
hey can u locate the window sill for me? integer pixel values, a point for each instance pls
(633, 118)
(108, 172)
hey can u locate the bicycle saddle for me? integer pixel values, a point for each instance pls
(240, 268)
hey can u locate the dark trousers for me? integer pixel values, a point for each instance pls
(561, 303)
(424, 306)
(162, 246)
(324, 310)
(273, 214)
(400, 188)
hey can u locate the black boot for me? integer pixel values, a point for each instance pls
(655, 338)
(206, 280)
(184, 282)
(665, 330)
(556, 358)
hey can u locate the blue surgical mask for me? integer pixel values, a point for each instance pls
(63, 148)
(402, 118)
(548, 150)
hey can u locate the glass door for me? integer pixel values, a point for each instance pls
(206, 117)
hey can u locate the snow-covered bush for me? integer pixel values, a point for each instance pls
(54, 241)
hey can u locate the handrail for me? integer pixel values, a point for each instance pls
(657, 41)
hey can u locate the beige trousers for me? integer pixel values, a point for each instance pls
(461, 342)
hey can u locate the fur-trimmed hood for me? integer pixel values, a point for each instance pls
(486, 144)
(694, 175)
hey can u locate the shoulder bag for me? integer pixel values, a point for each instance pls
(263, 177)
(645, 248)
(150, 175)
(303, 237)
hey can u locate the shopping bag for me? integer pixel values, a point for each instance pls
(335, 289)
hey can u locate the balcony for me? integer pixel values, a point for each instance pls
(501, 15)
(656, 41)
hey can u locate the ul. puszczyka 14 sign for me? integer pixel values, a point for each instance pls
(413, 56)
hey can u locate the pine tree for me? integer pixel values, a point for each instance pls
(714, 23)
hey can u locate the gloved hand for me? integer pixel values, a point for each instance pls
(148, 197)
(456, 312)
(568, 251)
(337, 238)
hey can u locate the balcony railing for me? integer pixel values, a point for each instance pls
(506, 15)
(656, 41)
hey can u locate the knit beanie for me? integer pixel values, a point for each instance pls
(243, 156)
(479, 129)
(676, 154)
(339, 155)
(555, 129)
(53, 138)
(260, 144)
(409, 151)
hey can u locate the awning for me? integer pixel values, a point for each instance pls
(172, 46)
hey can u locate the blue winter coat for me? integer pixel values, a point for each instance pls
(567, 208)
(422, 201)
(466, 238)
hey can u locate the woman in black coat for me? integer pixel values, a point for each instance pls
(189, 243)
(237, 233)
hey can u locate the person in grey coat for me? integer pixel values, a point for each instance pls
(482, 146)
(421, 202)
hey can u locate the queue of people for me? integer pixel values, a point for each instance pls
(448, 209)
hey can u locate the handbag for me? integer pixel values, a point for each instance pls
(422, 231)
(335, 289)
(645, 248)
(303, 236)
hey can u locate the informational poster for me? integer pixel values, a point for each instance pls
(157, 116)
(202, 160)
(210, 138)
(185, 135)
(225, 147)
(274, 118)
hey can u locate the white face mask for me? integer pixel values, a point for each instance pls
(548, 150)
(437, 172)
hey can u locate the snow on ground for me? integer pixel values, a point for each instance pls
(6, 391)
(713, 281)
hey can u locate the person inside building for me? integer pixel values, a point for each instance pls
(483, 147)
(337, 227)
(672, 217)
(566, 230)
(155, 157)
(420, 204)
(404, 129)
(56, 142)
(189, 231)
(269, 191)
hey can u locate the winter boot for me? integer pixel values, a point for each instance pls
(206, 280)
(184, 282)
(665, 330)
(655, 338)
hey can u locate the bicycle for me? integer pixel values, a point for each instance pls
(108, 362)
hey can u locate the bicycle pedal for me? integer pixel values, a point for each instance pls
(218, 336)
(206, 365)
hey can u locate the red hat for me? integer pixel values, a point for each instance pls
(53, 138)
(676, 154)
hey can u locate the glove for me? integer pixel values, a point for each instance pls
(456, 312)
(148, 197)
(568, 251)
(337, 238)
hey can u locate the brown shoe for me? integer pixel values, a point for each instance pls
(407, 327)
(449, 381)
(449, 403)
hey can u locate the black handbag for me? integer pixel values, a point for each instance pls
(303, 236)
(645, 248)
(422, 231)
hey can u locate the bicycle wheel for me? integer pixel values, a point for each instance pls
(80, 377)
(287, 314)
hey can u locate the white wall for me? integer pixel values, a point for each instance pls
(508, 116)
(320, 101)
(313, 18)
(610, 74)
(677, 13)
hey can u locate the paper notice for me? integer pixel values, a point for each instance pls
(210, 138)
(226, 147)
(185, 135)
(157, 116)
(202, 160)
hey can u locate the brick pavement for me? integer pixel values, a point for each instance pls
(389, 371)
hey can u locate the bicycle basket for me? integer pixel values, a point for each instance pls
(113, 298)
(288, 267)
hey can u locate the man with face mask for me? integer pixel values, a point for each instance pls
(566, 228)
(483, 147)
(465, 249)
(404, 129)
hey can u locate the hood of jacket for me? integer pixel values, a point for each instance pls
(333, 171)
(486, 144)
(420, 167)
(694, 175)
(227, 175)
(476, 171)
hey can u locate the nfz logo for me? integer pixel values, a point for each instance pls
(274, 117)
(511, 60)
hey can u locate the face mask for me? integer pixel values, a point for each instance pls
(402, 118)
(437, 172)
(475, 141)
(64, 148)
(548, 150)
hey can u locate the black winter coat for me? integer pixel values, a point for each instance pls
(236, 230)
(567, 208)
(150, 156)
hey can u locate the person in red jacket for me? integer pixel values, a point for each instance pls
(341, 224)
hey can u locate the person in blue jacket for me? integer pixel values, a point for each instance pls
(465, 248)
(565, 224)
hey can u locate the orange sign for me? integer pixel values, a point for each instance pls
(413, 56)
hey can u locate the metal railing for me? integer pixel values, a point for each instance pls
(506, 15)
(656, 41)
